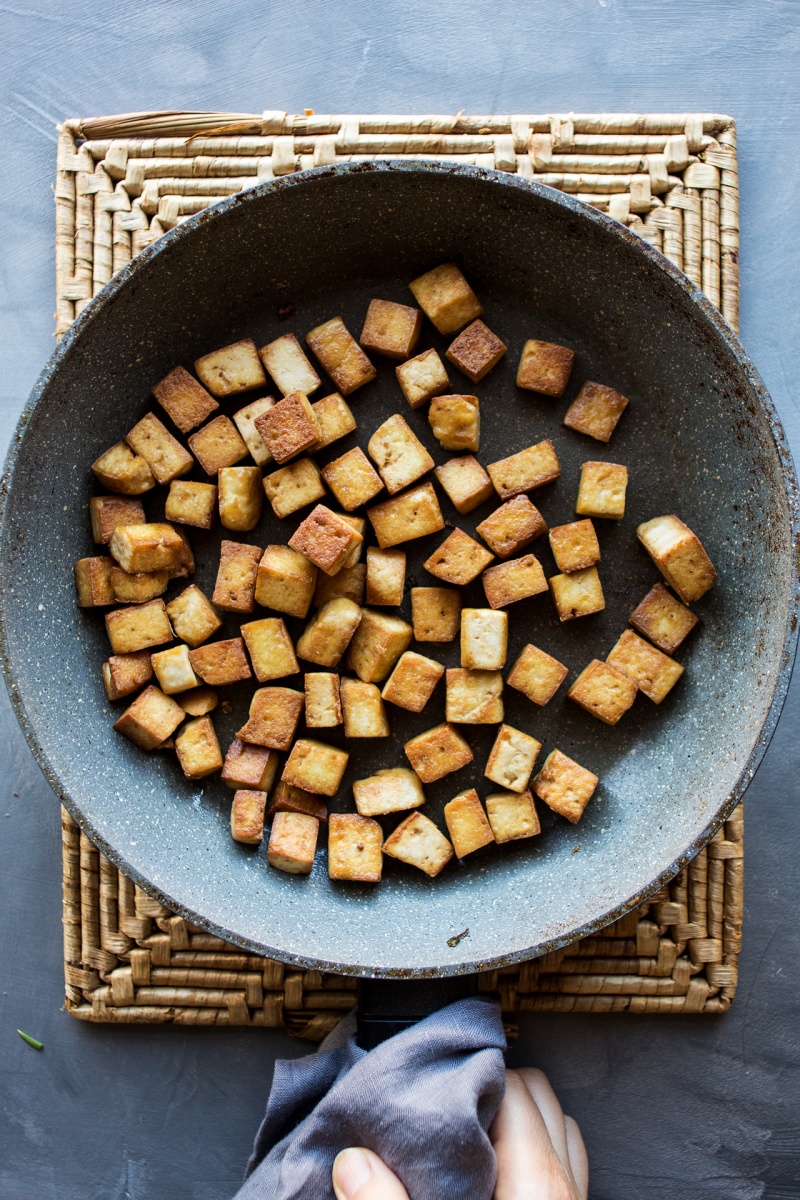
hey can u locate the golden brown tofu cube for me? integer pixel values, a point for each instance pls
(354, 553)
(293, 487)
(663, 619)
(329, 632)
(654, 673)
(474, 697)
(418, 842)
(476, 351)
(288, 427)
(123, 471)
(437, 752)
(601, 492)
(465, 482)
(274, 713)
(377, 644)
(315, 767)
(435, 613)
(604, 691)
(126, 673)
(531, 468)
(412, 682)
(341, 355)
(323, 700)
(363, 709)
(466, 823)
(174, 671)
(232, 369)
(537, 675)
(565, 786)
(138, 627)
(249, 766)
(348, 583)
(197, 748)
(334, 418)
(354, 848)
(240, 498)
(151, 719)
(352, 479)
(107, 513)
(293, 799)
(270, 648)
(198, 702)
(325, 539)
(185, 401)
(247, 816)
(193, 617)
(139, 588)
(293, 843)
(595, 411)
(93, 582)
(484, 639)
(577, 595)
(391, 329)
(289, 366)
(545, 367)
(422, 378)
(446, 298)
(413, 514)
(234, 590)
(575, 546)
(145, 548)
(285, 581)
(220, 663)
(191, 503)
(186, 564)
(386, 576)
(393, 790)
(398, 454)
(512, 816)
(515, 580)
(218, 444)
(165, 456)
(245, 421)
(511, 760)
(459, 559)
(679, 555)
(456, 422)
(512, 526)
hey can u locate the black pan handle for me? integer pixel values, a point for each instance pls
(388, 1006)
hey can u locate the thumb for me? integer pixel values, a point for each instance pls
(359, 1174)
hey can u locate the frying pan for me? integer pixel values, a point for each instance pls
(701, 438)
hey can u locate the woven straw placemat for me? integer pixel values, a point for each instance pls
(122, 182)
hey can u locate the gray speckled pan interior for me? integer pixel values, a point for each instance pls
(700, 437)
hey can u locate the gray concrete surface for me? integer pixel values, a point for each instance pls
(698, 1107)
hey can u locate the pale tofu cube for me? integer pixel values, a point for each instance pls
(126, 673)
(123, 471)
(446, 298)
(193, 616)
(512, 816)
(293, 843)
(174, 671)
(191, 503)
(465, 482)
(531, 468)
(512, 526)
(288, 427)
(515, 580)
(107, 513)
(435, 613)
(185, 401)
(197, 748)
(270, 649)
(139, 588)
(577, 595)
(285, 581)
(545, 367)
(218, 444)
(474, 697)
(484, 639)
(198, 702)
(418, 842)
(398, 454)
(335, 420)
(537, 675)
(93, 582)
(413, 514)
(326, 539)
(565, 786)
(165, 456)
(151, 719)
(349, 583)
(273, 718)
(437, 752)
(245, 421)
(386, 576)
(249, 766)
(412, 682)
(456, 422)
(144, 548)
(422, 378)
(459, 559)
(354, 848)
(511, 760)
(293, 799)
(663, 619)
(466, 823)
(476, 351)
(232, 369)
(247, 816)
(654, 673)
(315, 767)
(604, 691)
(138, 627)
(575, 546)
(221, 663)
(601, 492)
(329, 632)
(323, 700)
(377, 644)
(679, 555)
(595, 411)
(393, 790)
(287, 363)
(240, 498)
(391, 329)
(352, 479)
(363, 709)
(234, 590)
(341, 355)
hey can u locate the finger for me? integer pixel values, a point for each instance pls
(546, 1101)
(359, 1174)
(526, 1157)
(578, 1158)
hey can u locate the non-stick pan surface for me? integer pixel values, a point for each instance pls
(701, 439)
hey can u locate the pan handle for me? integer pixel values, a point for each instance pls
(388, 1006)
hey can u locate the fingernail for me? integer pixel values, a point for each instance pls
(351, 1170)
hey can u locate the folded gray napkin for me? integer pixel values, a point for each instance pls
(423, 1101)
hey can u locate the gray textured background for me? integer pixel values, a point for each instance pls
(702, 1107)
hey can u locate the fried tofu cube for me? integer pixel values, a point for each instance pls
(197, 748)
(663, 619)
(412, 682)
(165, 456)
(437, 752)
(354, 848)
(247, 766)
(341, 356)
(190, 503)
(186, 564)
(293, 487)
(418, 842)
(537, 675)
(220, 663)
(329, 632)
(288, 427)
(595, 411)
(467, 824)
(245, 421)
(139, 588)
(289, 366)
(293, 843)
(577, 595)
(145, 548)
(601, 492)
(335, 420)
(512, 526)
(315, 767)
(352, 479)
(93, 581)
(138, 627)
(363, 709)
(565, 786)
(386, 576)
(323, 700)
(515, 580)
(293, 799)
(512, 815)
(270, 648)
(232, 369)
(474, 697)
(465, 482)
(240, 498)
(193, 616)
(126, 673)
(604, 691)
(393, 790)
(446, 298)
(459, 559)
(413, 514)
(185, 401)
(654, 673)
(234, 590)
(354, 553)
(247, 816)
(218, 444)
(274, 713)
(107, 513)
(198, 702)
(679, 555)
(398, 454)
(422, 378)
(391, 329)
(435, 613)
(123, 471)
(377, 644)
(151, 719)
(348, 583)
(456, 422)
(326, 539)
(531, 468)
(545, 367)
(174, 671)
(285, 581)
(575, 546)
(476, 351)
(484, 639)
(511, 760)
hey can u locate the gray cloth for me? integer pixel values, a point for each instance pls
(423, 1101)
